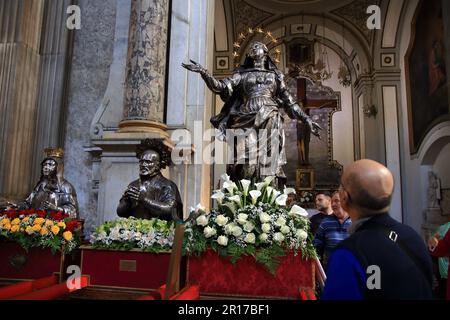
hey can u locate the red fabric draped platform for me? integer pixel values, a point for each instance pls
(216, 275)
(125, 269)
(16, 263)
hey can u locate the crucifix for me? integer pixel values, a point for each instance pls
(303, 131)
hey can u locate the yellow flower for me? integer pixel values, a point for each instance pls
(4, 221)
(44, 231)
(68, 235)
(36, 228)
(39, 221)
(48, 223)
(26, 219)
(55, 230)
(14, 228)
(15, 221)
(7, 226)
(29, 230)
(62, 225)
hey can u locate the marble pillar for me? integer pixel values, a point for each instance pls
(20, 39)
(146, 67)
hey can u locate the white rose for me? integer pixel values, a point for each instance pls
(278, 237)
(209, 232)
(265, 227)
(301, 234)
(264, 217)
(237, 231)
(242, 218)
(285, 229)
(263, 237)
(202, 220)
(222, 240)
(248, 227)
(280, 222)
(250, 238)
(229, 228)
(221, 220)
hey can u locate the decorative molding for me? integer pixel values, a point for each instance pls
(355, 13)
(246, 16)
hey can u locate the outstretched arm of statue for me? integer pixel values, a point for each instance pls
(223, 87)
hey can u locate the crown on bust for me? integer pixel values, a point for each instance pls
(54, 152)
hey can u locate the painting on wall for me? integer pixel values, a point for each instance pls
(426, 70)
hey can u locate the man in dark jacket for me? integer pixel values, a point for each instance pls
(382, 258)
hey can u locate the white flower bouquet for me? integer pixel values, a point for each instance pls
(152, 235)
(250, 219)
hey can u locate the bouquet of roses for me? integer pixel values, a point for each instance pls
(37, 228)
(250, 219)
(152, 235)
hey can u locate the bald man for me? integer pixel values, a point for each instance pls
(382, 258)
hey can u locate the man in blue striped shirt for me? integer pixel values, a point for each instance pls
(332, 230)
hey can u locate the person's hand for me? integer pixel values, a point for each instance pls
(433, 242)
(132, 193)
(194, 67)
(49, 206)
(315, 128)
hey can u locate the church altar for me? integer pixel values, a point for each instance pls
(217, 276)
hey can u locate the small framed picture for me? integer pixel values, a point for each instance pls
(305, 179)
(222, 63)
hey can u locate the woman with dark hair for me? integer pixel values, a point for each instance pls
(253, 96)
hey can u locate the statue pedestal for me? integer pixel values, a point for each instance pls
(134, 269)
(218, 277)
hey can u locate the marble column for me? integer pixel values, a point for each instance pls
(20, 36)
(146, 67)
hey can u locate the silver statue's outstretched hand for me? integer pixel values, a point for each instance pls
(315, 128)
(194, 67)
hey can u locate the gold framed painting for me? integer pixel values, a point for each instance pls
(305, 179)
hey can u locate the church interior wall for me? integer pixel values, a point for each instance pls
(415, 167)
(92, 57)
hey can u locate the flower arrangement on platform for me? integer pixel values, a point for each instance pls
(251, 219)
(37, 228)
(306, 197)
(152, 235)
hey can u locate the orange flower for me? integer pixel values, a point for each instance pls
(15, 221)
(39, 221)
(68, 235)
(36, 228)
(48, 223)
(62, 225)
(29, 230)
(44, 231)
(14, 228)
(55, 230)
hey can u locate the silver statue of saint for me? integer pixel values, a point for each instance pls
(52, 192)
(253, 97)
